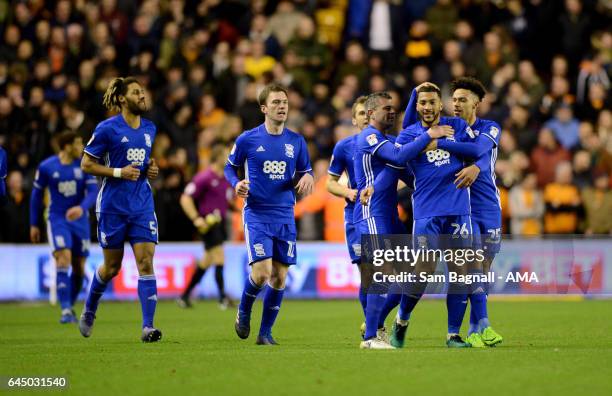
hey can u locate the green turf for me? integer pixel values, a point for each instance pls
(554, 348)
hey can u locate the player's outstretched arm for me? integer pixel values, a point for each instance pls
(337, 189)
(402, 154)
(467, 149)
(91, 166)
(468, 175)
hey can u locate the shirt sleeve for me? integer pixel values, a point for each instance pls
(484, 145)
(98, 144)
(493, 132)
(238, 153)
(91, 189)
(303, 159)
(397, 155)
(337, 164)
(41, 181)
(404, 137)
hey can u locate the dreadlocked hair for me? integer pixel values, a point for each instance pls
(117, 87)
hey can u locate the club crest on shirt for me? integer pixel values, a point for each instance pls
(470, 133)
(78, 173)
(289, 150)
(372, 139)
(147, 139)
(55, 175)
(494, 132)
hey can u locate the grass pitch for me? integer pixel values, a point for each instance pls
(549, 347)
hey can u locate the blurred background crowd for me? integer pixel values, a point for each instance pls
(546, 65)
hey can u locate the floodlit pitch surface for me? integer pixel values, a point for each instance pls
(550, 347)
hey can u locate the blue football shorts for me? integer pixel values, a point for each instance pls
(114, 229)
(271, 240)
(73, 235)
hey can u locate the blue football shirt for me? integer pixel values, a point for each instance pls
(271, 163)
(117, 144)
(66, 183)
(434, 171)
(484, 193)
(369, 167)
(341, 161)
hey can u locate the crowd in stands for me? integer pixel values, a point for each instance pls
(547, 65)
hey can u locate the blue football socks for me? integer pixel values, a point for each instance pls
(456, 304)
(392, 300)
(95, 293)
(63, 284)
(147, 293)
(249, 295)
(271, 307)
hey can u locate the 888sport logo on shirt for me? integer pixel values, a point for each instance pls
(275, 169)
(438, 157)
(136, 156)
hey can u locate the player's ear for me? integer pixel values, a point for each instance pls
(354, 122)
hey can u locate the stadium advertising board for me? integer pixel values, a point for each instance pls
(323, 270)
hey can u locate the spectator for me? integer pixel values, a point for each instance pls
(16, 213)
(575, 30)
(442, 18)
(258, 63)
(526, 207)
(563, 202)
(283, 22)
(598, 206)
(582, 169)
(546, 157)
(530, 80)
(565, 127)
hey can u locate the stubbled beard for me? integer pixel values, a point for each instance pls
(135, 109)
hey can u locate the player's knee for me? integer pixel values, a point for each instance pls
(145, 265)
(261, 276)
(62, 258)
(277, 281)
(112, 270)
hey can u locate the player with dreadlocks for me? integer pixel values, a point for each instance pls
(120, 152)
